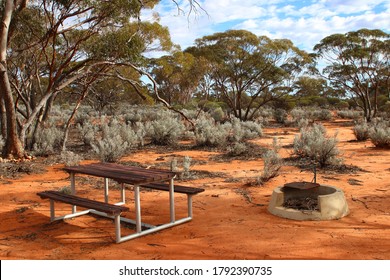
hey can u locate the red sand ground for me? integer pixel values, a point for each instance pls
(225, 225)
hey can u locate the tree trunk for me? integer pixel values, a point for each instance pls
(3, 119)
(13, 147)
(69, 122)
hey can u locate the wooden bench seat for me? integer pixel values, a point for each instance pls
(178, 188)
(110, 209)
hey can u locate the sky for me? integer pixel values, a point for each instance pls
(304, 22)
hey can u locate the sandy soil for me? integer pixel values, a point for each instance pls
(231, 220)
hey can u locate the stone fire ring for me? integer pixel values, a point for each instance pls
(331, 203)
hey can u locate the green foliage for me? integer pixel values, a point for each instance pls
(356, 65)
(249, 71)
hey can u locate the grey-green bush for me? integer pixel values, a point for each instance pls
(69, 158)
(272, 164)
(87, 132)
(166, 129)
(361, 131)
(48, 141)
(210, 133)
(115, 142)
(380, 134)
(313, 143)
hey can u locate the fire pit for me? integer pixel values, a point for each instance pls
(308, 201)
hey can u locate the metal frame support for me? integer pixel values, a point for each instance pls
(106, 190)
(172, 200)
(73, 190)
(137, 202)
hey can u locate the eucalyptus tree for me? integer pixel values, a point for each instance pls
(359, 63)
(178, 75)
(48, 46)
(250, 71)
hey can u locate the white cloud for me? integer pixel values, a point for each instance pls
(303, 22)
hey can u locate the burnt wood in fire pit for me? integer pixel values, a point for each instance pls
(308, 201)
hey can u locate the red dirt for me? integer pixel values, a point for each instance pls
(226, 224)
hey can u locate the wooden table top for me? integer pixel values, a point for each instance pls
(123, 174)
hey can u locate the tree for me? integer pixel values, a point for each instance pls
(250, 71)
(310, 86)
(48, 46)
(13, 146)
(358, 63)
(178, 75)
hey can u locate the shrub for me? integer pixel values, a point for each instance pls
(322, 115)
(110, 149)
(313, 143)
(361, 131)
(241, 131)
(48, 141)
(272, 164)
(303, 123)
(115, 141)
(217, 114)
(70, 159)
(186, 165)
(87, 132)
(210, 133)
(349, 114)
(65, 190)
(280, 116)
(237, 149)
(166, 129)
(380, 135)
(297, 114)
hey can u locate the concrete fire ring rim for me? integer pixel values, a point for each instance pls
(332, 206)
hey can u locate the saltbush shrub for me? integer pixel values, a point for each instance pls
(69, 158)
(313, 143)
(210, 133)
(48, 141)
(241, 131)
(349, 114)
(322, 115)
(237, 149)
(380, 134)
(272, 164)
(166, 129)
(361, 131)
(116, 140)
(87, 132)
(280, 115)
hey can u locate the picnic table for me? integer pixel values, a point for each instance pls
(137, 177)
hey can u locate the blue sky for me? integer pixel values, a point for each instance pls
(305, 22)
